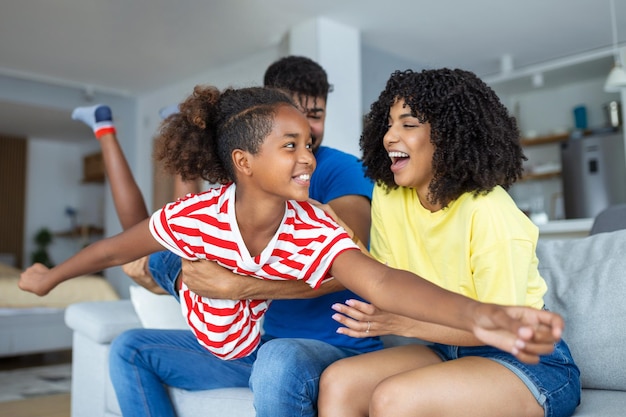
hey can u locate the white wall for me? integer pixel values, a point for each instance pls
(337, 48)
(377, 67)
(52, 184)
(547, 110)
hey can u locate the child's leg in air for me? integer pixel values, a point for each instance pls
(129, 203)
(127, 198)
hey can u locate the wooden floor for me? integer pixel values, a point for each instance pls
(50, 406)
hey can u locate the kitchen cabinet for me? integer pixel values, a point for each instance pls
(93, 168)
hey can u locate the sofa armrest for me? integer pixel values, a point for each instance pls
(102, 321)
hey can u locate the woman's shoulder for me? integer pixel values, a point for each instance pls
(496, 210)
(498, 196)
(394, 196)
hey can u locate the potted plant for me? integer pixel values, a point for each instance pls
(43, 238)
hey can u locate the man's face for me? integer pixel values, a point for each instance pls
(314, 108)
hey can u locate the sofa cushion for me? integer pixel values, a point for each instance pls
(101, 321)
(157, 311)
(213, 403)
(587, 284)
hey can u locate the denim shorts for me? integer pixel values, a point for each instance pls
(554, 381)
(165, 266)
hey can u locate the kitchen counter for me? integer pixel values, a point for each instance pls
(565, 229)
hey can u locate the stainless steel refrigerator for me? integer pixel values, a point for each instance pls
(593, 173)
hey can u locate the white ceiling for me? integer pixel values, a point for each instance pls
(134, 46)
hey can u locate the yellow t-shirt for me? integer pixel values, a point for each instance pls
(482, 247)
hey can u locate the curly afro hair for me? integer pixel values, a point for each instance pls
(198, 141)
(476, 141)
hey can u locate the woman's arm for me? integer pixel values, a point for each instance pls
(116, 250)
(366, 320)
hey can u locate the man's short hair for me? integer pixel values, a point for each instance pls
(299, 75)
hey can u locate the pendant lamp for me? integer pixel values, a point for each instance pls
(617, 77)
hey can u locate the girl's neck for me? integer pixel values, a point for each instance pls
(258, 220)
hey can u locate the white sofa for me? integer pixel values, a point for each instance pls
(587, 283)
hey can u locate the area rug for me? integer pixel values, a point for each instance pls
(20, 384)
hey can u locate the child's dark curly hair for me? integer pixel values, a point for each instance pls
(476, 141)
(198, 141)
(299, 75)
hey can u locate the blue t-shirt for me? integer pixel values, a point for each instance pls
(337, 174)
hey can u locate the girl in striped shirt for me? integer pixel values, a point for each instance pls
(256, 146)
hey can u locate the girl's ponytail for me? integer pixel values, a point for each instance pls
(186, 142)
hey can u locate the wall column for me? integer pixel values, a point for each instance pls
(337, 48)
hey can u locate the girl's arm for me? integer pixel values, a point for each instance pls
(116, 250)
(524, 332)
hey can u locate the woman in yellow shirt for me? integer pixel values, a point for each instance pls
(443, 149)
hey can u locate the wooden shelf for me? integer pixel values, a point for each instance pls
(543, 140)
(542, 176)
(81, 231)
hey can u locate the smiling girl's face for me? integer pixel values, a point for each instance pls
(408, 144)
(285, 162)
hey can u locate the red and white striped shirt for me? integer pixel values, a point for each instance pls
(204, 226)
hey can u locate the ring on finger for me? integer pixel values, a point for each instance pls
(369, 325)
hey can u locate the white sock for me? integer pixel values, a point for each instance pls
(99, 118)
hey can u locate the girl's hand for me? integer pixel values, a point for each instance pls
(366, 320)
(34, 279)
(525, 332)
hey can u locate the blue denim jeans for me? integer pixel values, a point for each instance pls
(165, 266)
(554, 381)
(283, 373)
